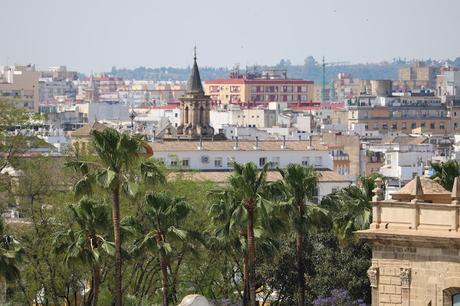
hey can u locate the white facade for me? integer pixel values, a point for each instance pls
(107, 111)
(404, 161)
(259, 118)
(219, 155)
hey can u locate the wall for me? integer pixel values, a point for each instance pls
(433, 271)
(320, 159)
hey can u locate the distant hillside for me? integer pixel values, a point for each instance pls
(311, 70)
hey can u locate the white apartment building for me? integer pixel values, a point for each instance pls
(219, 155)
(213, 159)
(233, 115)
(404, 161)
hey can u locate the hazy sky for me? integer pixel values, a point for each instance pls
(94, 35)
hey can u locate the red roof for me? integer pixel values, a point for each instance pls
(258, 81)
(334, 106)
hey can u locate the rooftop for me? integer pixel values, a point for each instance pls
(229, 145)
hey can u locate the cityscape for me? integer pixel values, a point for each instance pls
(323, 180)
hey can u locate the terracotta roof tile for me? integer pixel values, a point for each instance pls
(228, 145)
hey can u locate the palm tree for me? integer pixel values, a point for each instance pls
(298, 187)
(446, 172)
(119, 156)
(251, 186)
(229, 232)
(164, 214)
(350, 210)
(88, 241)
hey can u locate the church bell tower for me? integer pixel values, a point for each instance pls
(194, 108)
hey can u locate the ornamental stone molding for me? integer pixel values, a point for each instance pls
(405, 275)
(373, 274)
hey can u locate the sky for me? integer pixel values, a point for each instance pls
(94, 35)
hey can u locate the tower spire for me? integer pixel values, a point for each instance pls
(194, 83)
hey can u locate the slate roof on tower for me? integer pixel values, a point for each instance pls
(194, 84)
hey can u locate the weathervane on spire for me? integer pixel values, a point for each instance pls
(194, 53)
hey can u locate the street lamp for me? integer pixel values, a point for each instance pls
(132, 115)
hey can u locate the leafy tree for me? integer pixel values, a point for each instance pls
(14, 141)
(298, 187)
(115, 170)
(446, 172)
(323, 254)
(40, 204)
(10, 254)
(86, 244)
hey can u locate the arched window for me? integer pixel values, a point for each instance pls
(201, 119)
(186, 115)
(456, 299)
(451, 296)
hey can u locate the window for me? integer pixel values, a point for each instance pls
(441, 126)
(334, 189)
(185, 162)
(262, 161)
(432, 126)
(403, 125)
(218, 162)
(456, 299)
(394, 126)
(275, 162)
(173, 163)
(318, 161)
(413, 125)
(385, 126)
(305, 161)
(422, 124)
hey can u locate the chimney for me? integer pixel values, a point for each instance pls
(283, 146)
(200, 145)
(236, 147)
(417, 192)
(256, 147)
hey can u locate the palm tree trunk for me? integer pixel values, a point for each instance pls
(117, 238)
(300, 265)
(300, 271)
(246, 280)
(164, 280)
(251, 256)
(95, 285)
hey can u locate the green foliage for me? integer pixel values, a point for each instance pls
(328, 264)
(446, 172)
(195, 231)
(10, 255)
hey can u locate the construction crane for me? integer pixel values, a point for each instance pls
(323, 88)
